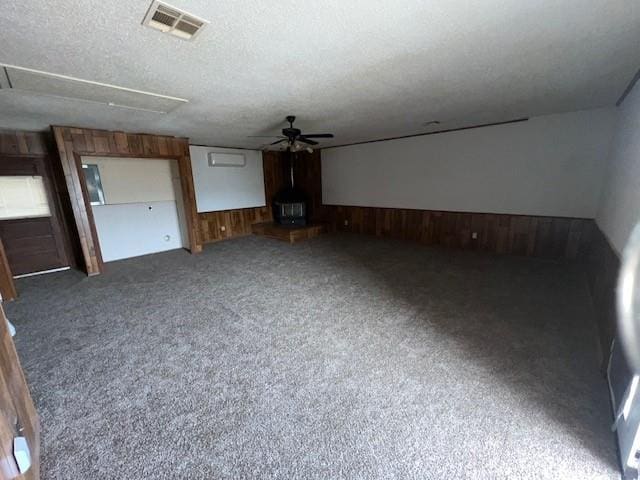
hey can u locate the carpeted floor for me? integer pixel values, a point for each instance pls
(342, 357)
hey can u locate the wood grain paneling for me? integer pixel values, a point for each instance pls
(225, 224)
(24, 143)
(23, 146)
(307, 175)
(291, 234)
(7, 287)
(602, 274)
(34, 244)
(546, 237)
(276, 176)
(17, 412)
(74, 143)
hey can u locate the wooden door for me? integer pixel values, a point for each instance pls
(18, 416)
(33, 243)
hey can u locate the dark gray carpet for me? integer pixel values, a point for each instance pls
(343, 357)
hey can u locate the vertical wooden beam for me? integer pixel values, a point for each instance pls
(7, 287)
(73, 143)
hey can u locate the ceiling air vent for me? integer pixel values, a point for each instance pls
(172, 20)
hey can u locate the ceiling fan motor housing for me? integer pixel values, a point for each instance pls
(291, 132)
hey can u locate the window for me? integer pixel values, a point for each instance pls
(94, 184)
(23, 197)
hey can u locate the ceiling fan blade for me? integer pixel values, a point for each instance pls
(279, 141)
(318, 135)
(306, 140)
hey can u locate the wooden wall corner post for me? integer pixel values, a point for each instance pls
(189, 197)
(7, 287)
(67, 150)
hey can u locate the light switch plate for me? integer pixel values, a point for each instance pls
(22, 454)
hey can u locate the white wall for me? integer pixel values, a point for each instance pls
(128, 230)
(226, 188)
(551, 165)
(131, 180)
(620, 206)
(143, 212)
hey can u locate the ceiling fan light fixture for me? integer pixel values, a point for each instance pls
(294, 140)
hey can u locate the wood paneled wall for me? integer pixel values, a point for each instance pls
(25, 143)
(547, 237)
(236, 223)
(16, 409)
(73, 143)
(7, 287)
(276, 177)
(602, 274)
(308, 178)
(41, 144)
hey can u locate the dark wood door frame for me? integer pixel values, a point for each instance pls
(18, 416)
(7, 287)
(75, 143)
(41, 165)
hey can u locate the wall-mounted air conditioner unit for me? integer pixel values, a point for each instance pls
(217, 159)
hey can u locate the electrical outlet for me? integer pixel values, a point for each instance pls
(223, 228)
(346, 223)
(474, 235)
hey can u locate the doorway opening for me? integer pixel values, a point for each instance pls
(30, 217)
(137, 205)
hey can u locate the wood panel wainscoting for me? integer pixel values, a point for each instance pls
(307, 177)
(602, 274)
(533, 236)
(225, 224)
(74, 143)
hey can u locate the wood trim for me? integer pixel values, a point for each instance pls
(7, 287)
(26, 144)
(18, 407)
(435, 132)
(602, 275)
(532, 236)
(74, 143)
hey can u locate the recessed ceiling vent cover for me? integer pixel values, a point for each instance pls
(30, 81)
(172, 20)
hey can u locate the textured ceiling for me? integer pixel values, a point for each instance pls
(362, 69)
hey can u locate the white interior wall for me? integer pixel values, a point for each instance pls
(551, 165)
(142, 213)
(135, 180)
(225, 188)
(620, 206)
